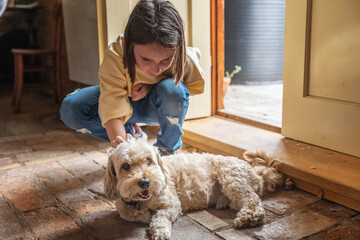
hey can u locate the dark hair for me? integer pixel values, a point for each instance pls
(155, 21)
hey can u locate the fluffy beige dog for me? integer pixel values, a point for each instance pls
(155, 190)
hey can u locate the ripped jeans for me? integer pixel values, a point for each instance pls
(165, 106)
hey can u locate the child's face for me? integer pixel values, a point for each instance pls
(152, 58)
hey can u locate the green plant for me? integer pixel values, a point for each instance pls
(235, 71)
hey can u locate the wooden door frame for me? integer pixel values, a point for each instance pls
(217, 8)
(102, 28)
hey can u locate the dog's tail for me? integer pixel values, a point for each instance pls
(266, 167)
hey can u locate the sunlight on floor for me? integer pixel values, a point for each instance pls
(262, 103)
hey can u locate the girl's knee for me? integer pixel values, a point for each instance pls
(68, 112)
(74, 107)
(167, 90)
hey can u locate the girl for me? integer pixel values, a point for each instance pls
(146, 77)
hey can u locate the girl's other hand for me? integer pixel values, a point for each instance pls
(139, 91)
(117, 141)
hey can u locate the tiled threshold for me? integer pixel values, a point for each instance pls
(325, 173)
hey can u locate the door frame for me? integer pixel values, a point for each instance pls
(217, 8)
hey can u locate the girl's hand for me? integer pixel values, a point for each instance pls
(139, 91)
(119, 139)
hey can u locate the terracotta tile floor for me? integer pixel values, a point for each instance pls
(51, 187)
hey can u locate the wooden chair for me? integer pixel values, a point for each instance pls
(54, 52)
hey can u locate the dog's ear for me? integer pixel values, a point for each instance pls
(110, 180)
(163, 167)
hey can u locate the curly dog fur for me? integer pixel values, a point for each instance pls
(156, 190)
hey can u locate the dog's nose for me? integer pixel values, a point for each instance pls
(144, 183)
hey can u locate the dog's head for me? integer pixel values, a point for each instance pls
(134, 172)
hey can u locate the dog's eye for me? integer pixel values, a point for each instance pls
(149, 161)
(126, 167)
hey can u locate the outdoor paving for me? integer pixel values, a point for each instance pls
(262, 103)
(51, 187)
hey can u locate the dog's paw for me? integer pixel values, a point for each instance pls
(247, 217)
(222, 202)
(160, 227)
(162, 234)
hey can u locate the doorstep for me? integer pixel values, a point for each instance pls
(325, 173)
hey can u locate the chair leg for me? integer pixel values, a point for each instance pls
(16, 81)
(53, 77)
(58, 84)
(15, 86)
(18, 84)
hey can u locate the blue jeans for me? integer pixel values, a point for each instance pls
(165, 106)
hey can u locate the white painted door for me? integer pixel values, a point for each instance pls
(81, 37)
(322, 73)
(196, 16)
